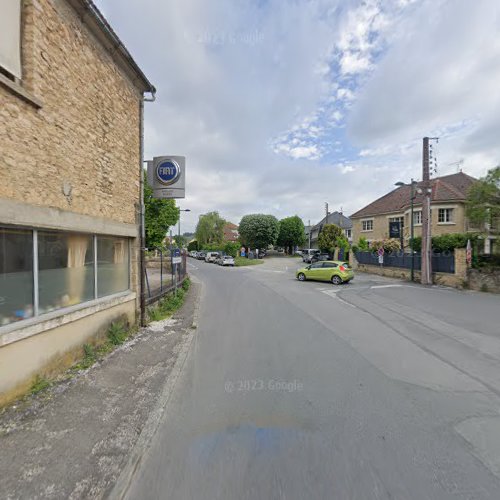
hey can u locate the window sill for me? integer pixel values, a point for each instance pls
(446, 224)
(20, 92)
(39, 324)
(366, 231)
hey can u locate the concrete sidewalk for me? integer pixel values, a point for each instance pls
(73, 440)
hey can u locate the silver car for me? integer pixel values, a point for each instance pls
(226, 260)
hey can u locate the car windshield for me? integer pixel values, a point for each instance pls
(343, 342)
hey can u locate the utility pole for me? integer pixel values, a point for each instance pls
(426, 268)
(326, 210)
(309, 222)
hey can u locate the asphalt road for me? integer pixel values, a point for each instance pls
(372, 390)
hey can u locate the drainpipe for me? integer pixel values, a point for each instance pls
(142, 236)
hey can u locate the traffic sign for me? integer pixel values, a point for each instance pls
(380, 251)
(167, 176)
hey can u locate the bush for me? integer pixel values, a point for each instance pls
(390, 245)
(192, 246)
(355, 248)
(363, 244)
(232, 248)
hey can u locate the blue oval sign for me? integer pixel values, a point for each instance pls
(167, 172)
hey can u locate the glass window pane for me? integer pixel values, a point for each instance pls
(112, 265)
(66, 269)
(16, 275)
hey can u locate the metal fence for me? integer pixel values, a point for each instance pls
(161, 275)
(441, 262)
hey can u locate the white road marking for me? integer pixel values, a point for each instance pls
(332, 292)
(386, 286)
(191, 265)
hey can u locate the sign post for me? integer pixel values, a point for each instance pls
(380, 252)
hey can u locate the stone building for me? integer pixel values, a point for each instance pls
(448, 197)
(71, 121)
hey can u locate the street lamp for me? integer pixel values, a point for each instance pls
(413, 195)
(182, 210)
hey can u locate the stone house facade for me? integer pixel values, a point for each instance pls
(71, 111)
(448, 197)
(336, 218)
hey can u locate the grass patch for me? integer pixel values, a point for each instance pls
(170, 303)
(39, 385)
(243, 261)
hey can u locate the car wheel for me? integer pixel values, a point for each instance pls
(301, 277)
(336, 280)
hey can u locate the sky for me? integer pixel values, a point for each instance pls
(281, 106)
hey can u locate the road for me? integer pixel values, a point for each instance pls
(372, 390)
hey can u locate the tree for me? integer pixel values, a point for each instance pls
(193, 246)
(291, 232)
(483, 201)
(210, 229)
(180, 241)
(159, 216)
(231, 248)
(259, 230)
(329, 238)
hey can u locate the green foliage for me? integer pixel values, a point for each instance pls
(447, 242)
(117, 333)
(180, 241)
(39, 385)
(363, 244)
(212, 247)
(355, 248)
(389, 245)
(291, 232)
(210, 229)
(193, 246)
(231, 248)
(243, 261)
(330, 237)
(259, 230)
(169, 304)
(483, 201)
(159, 216)
(343, 243)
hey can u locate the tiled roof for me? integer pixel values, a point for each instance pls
(335, 218)
(452, 187)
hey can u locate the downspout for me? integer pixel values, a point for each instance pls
(142, 236)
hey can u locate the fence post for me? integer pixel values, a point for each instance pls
(460, 263)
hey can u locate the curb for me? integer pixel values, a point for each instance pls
(122, 485)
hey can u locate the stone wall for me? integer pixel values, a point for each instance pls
(484, 280)
(85, 135)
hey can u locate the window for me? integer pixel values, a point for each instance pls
(348, 233)
(317, 265)
(329, 264)
(367, 225)
(401, 220)
(10, 39)
(16, 275)
(112, 265)
(66, 274)
(65, 269)
(445, 215)
(417, 217)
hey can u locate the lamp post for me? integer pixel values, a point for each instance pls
(413, 195)
(181, 210)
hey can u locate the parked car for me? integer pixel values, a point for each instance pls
(226, 260)
(308, 253)
(193, 254)
(317, 257)
(331, 270)
(218, 259)
(211, 256)
(201, 255)
(262, 253)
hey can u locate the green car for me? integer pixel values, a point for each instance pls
(329, 270)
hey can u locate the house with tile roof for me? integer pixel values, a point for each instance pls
(448, 197)
(336, 218)
(231, 232)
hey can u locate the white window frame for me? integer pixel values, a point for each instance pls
(447, 216)
(363, 230)
(417, 216)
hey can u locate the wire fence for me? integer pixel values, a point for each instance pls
(164, 272)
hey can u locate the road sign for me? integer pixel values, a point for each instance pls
(176, 260)
(167, 176)
(380, 258)
(380, 252)
(177, 252)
